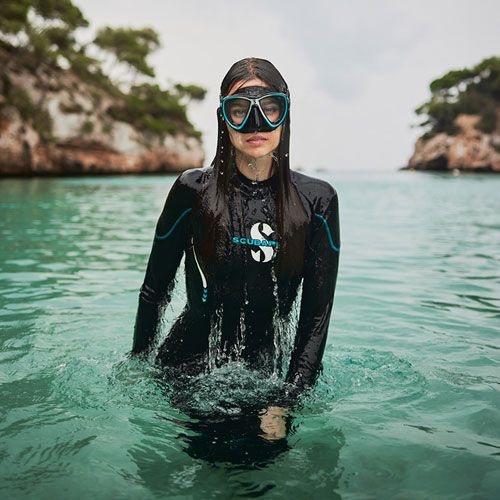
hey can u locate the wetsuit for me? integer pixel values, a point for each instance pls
(237, 298)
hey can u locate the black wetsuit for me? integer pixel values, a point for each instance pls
(238, 302)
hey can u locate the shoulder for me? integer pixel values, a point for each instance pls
(316, 193)
(190, 183)
(187, 188)
(195, 178)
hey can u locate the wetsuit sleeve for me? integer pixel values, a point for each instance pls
(320, 277)
(170, 241)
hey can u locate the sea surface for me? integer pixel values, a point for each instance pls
(408, 405)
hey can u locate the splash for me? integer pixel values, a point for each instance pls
(284, 329)
(229, 389)
(215, 341)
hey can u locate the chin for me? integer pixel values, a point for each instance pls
(258, 152)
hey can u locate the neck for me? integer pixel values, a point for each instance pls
(256, 169)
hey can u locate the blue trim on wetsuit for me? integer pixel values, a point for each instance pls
(173, 227)
(328, 231)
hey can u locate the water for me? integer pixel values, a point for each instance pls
(408, 405)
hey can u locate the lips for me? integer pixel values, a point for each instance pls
(256, 140)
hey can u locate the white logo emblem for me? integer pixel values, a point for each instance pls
(265, 252)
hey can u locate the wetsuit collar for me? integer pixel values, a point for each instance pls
(270, 181)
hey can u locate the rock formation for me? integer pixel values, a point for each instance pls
(83, 137)
(469, 150)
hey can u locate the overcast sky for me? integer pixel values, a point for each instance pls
(356, 70)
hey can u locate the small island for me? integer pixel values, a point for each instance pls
(68, 108)
(462, 122)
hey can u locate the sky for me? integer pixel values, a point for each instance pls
(356, 70)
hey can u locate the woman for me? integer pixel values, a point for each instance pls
(251, 231)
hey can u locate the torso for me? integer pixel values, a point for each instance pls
(244, 295)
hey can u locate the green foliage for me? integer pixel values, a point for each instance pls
(471, 91)
(41, 47)
(488, 121)
(96, 96)
(191, 91)
(48, 26)
(42, 123)
(441, 117)
(38, 117)
(13, 15)
(71, 108)
(62, 11)
(89, 70)
(41, 33)
(82, 64)
(20, 99)
(87, 127)
(60, 37)
(150, 108)
(130, 46)
(452, 79)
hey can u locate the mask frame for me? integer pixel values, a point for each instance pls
(254, 104)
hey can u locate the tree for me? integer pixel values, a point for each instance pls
(130, 46)
(148, 107)
(470, 91)
(191, 92)
(47, 26)
(13, 15)
(61, 10)
(38, 33)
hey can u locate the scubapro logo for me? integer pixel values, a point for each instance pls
(262, 231)
(266, 248)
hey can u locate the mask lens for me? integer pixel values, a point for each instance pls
(273, 107)
(236, 110)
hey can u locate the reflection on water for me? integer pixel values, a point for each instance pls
(231, 439)
(217, 419)
(236, 416)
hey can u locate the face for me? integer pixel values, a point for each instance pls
(258, 144)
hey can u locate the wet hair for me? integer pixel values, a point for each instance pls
(291, 221)
(244, 71)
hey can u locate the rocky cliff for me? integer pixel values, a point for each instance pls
(71, 133)
(469, 150)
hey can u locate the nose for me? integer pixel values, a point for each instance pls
(255, 119)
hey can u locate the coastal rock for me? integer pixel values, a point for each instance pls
(84, 138)
(470, 150)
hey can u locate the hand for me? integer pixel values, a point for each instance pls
(272, 423)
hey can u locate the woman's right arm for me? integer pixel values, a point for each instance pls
(171, 239)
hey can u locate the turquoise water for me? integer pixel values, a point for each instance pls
(408, 406)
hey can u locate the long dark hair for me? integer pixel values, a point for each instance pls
(291, 219)
(244, 71)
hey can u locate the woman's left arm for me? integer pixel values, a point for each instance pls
(320, 277)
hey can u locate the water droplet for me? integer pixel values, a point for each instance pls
(286, 155)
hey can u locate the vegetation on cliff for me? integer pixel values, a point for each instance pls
(470, 91)
(36, 33)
